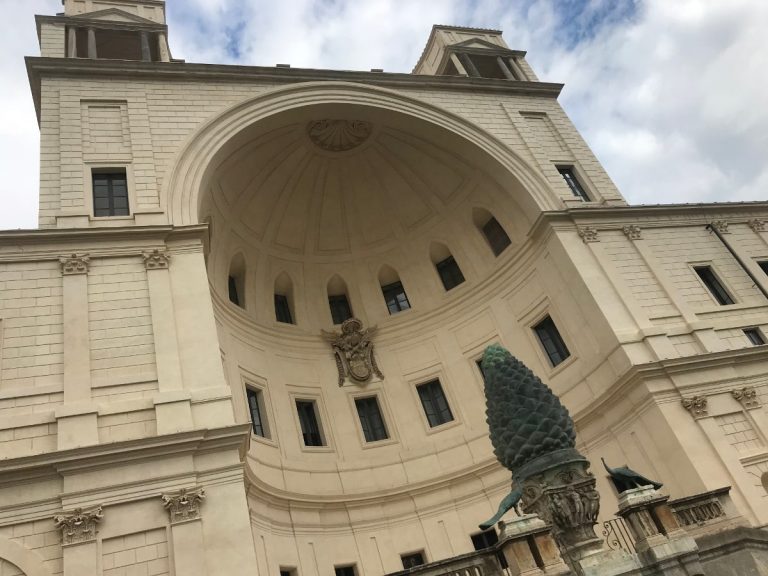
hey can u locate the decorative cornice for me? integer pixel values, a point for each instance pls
(696, 405)
(79, 525)
(756, 224)
(74, 264)
(156, 259)
(747, 397)
(588, 234)
(720, 225)
(632, 231)
(183, 505)
(338, 135)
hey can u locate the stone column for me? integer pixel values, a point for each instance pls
(469, 65)
(504, 69)
(92, 44)
(78, 541)
(162, 47)
(187, 531)
(76, 417)
(146, 53)
(516, 70)
(71, 42)
(172, 403)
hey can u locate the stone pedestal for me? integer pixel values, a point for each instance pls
(529, 548)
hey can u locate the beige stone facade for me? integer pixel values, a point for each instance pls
(125, 365)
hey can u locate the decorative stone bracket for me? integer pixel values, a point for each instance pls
(747, 397)
(697, 406)
(79, 525)
(156, 259)
(587, 234)
(74, 264)
(183, 505)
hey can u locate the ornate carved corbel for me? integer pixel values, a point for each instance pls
(79, 525)
(156, 259)
(633, 232)
(757, 225)
(588, 234)
(183, 505)
(74, 264)
(696, 405)
(747, 397)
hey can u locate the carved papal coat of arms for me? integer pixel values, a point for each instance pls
(353, 350)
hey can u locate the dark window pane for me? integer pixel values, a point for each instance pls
(496, 235)
(371, 420)
(310, 430)
(550, 339)
(434, 402)
(345, 571)
(449, 272)
(413, 560)
(234, 295)
(713, 285)
(763, 266)
(254, 407)
(483, 540)
(395, 297)
(340, 308)
(754, 335)
(110, 194)
(283, 309)
(573, 183)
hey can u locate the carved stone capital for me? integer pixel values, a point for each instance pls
(720, 225)
(757, 225)
(183, 505)
(74, 264)
(156, 259)
(696, 405)
(747, 397)
(79, 525)
(338, 135)
(587, 234)
(633, 232)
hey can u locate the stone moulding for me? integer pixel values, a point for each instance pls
(156, 259)
(183, 505)
(747, 397)
(74, 264)
(338, 135)
(79, 525)
(696, 405)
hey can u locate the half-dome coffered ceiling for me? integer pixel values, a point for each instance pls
(340, 182)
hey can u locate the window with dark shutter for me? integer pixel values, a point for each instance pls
(713, 284)
(283, 309)
(435, 403)
(110, 192)
(371, 420)
(551, 341)
(450, 273)
(754, 336)
(570, 178)
(496, 236)
(310, 429)
(256, 409)
(340, 308)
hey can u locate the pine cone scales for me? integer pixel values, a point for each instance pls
(525, 418)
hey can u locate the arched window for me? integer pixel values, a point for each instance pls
(446, 265)
(494, 233)
(284, 299)
(338, 300)
(236, 281)
(393, 290)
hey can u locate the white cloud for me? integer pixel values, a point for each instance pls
(670, 95)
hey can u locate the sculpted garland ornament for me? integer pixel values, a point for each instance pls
(353, 350)
(338, 135)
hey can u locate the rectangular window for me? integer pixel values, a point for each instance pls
(256, 409)
(714, 286)
(763, 266)
(310, 429)
(345, 570)
(450, 273)
(395, 297)
(551, 341)
(435, 403)
(110, 192)
(371, 420)
(755, 336)
(573, 183)
(340, 308)
(287, 571)
(486, 539)
(283, 309)
(234, 296)
(480, 367)
(496, 235)
(413, 559)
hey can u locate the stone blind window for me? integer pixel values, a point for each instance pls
(395, 297)
(371, 420)
(570, 178)
(345, 570)
(551, 341)
(340, 308)
(110, 192)
(283, 309)
(435, 403)
(754, 336)
(310, 428)
(450, 273)
(413, 559)
(713, 284)
(496, 235)
(256, 409)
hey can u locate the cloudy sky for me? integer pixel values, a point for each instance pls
(672, 95)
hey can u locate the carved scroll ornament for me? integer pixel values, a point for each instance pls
(183, 505)
(79, 525)
(353, 350)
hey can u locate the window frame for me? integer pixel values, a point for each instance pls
(257, 383)
(421, 552)
(450, 266)
(365, 398)
(384, 288)
(337, 298)
(374, 389)
(488, 240)
(285, 304)
(762, 263)
(337, 567)
(718, 280)
(308, 394)
(543, 319)
(91, 168)
(757, 332)
(441, 425)
(261, 409)
(574, 181)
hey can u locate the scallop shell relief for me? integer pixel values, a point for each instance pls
(338, 135)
